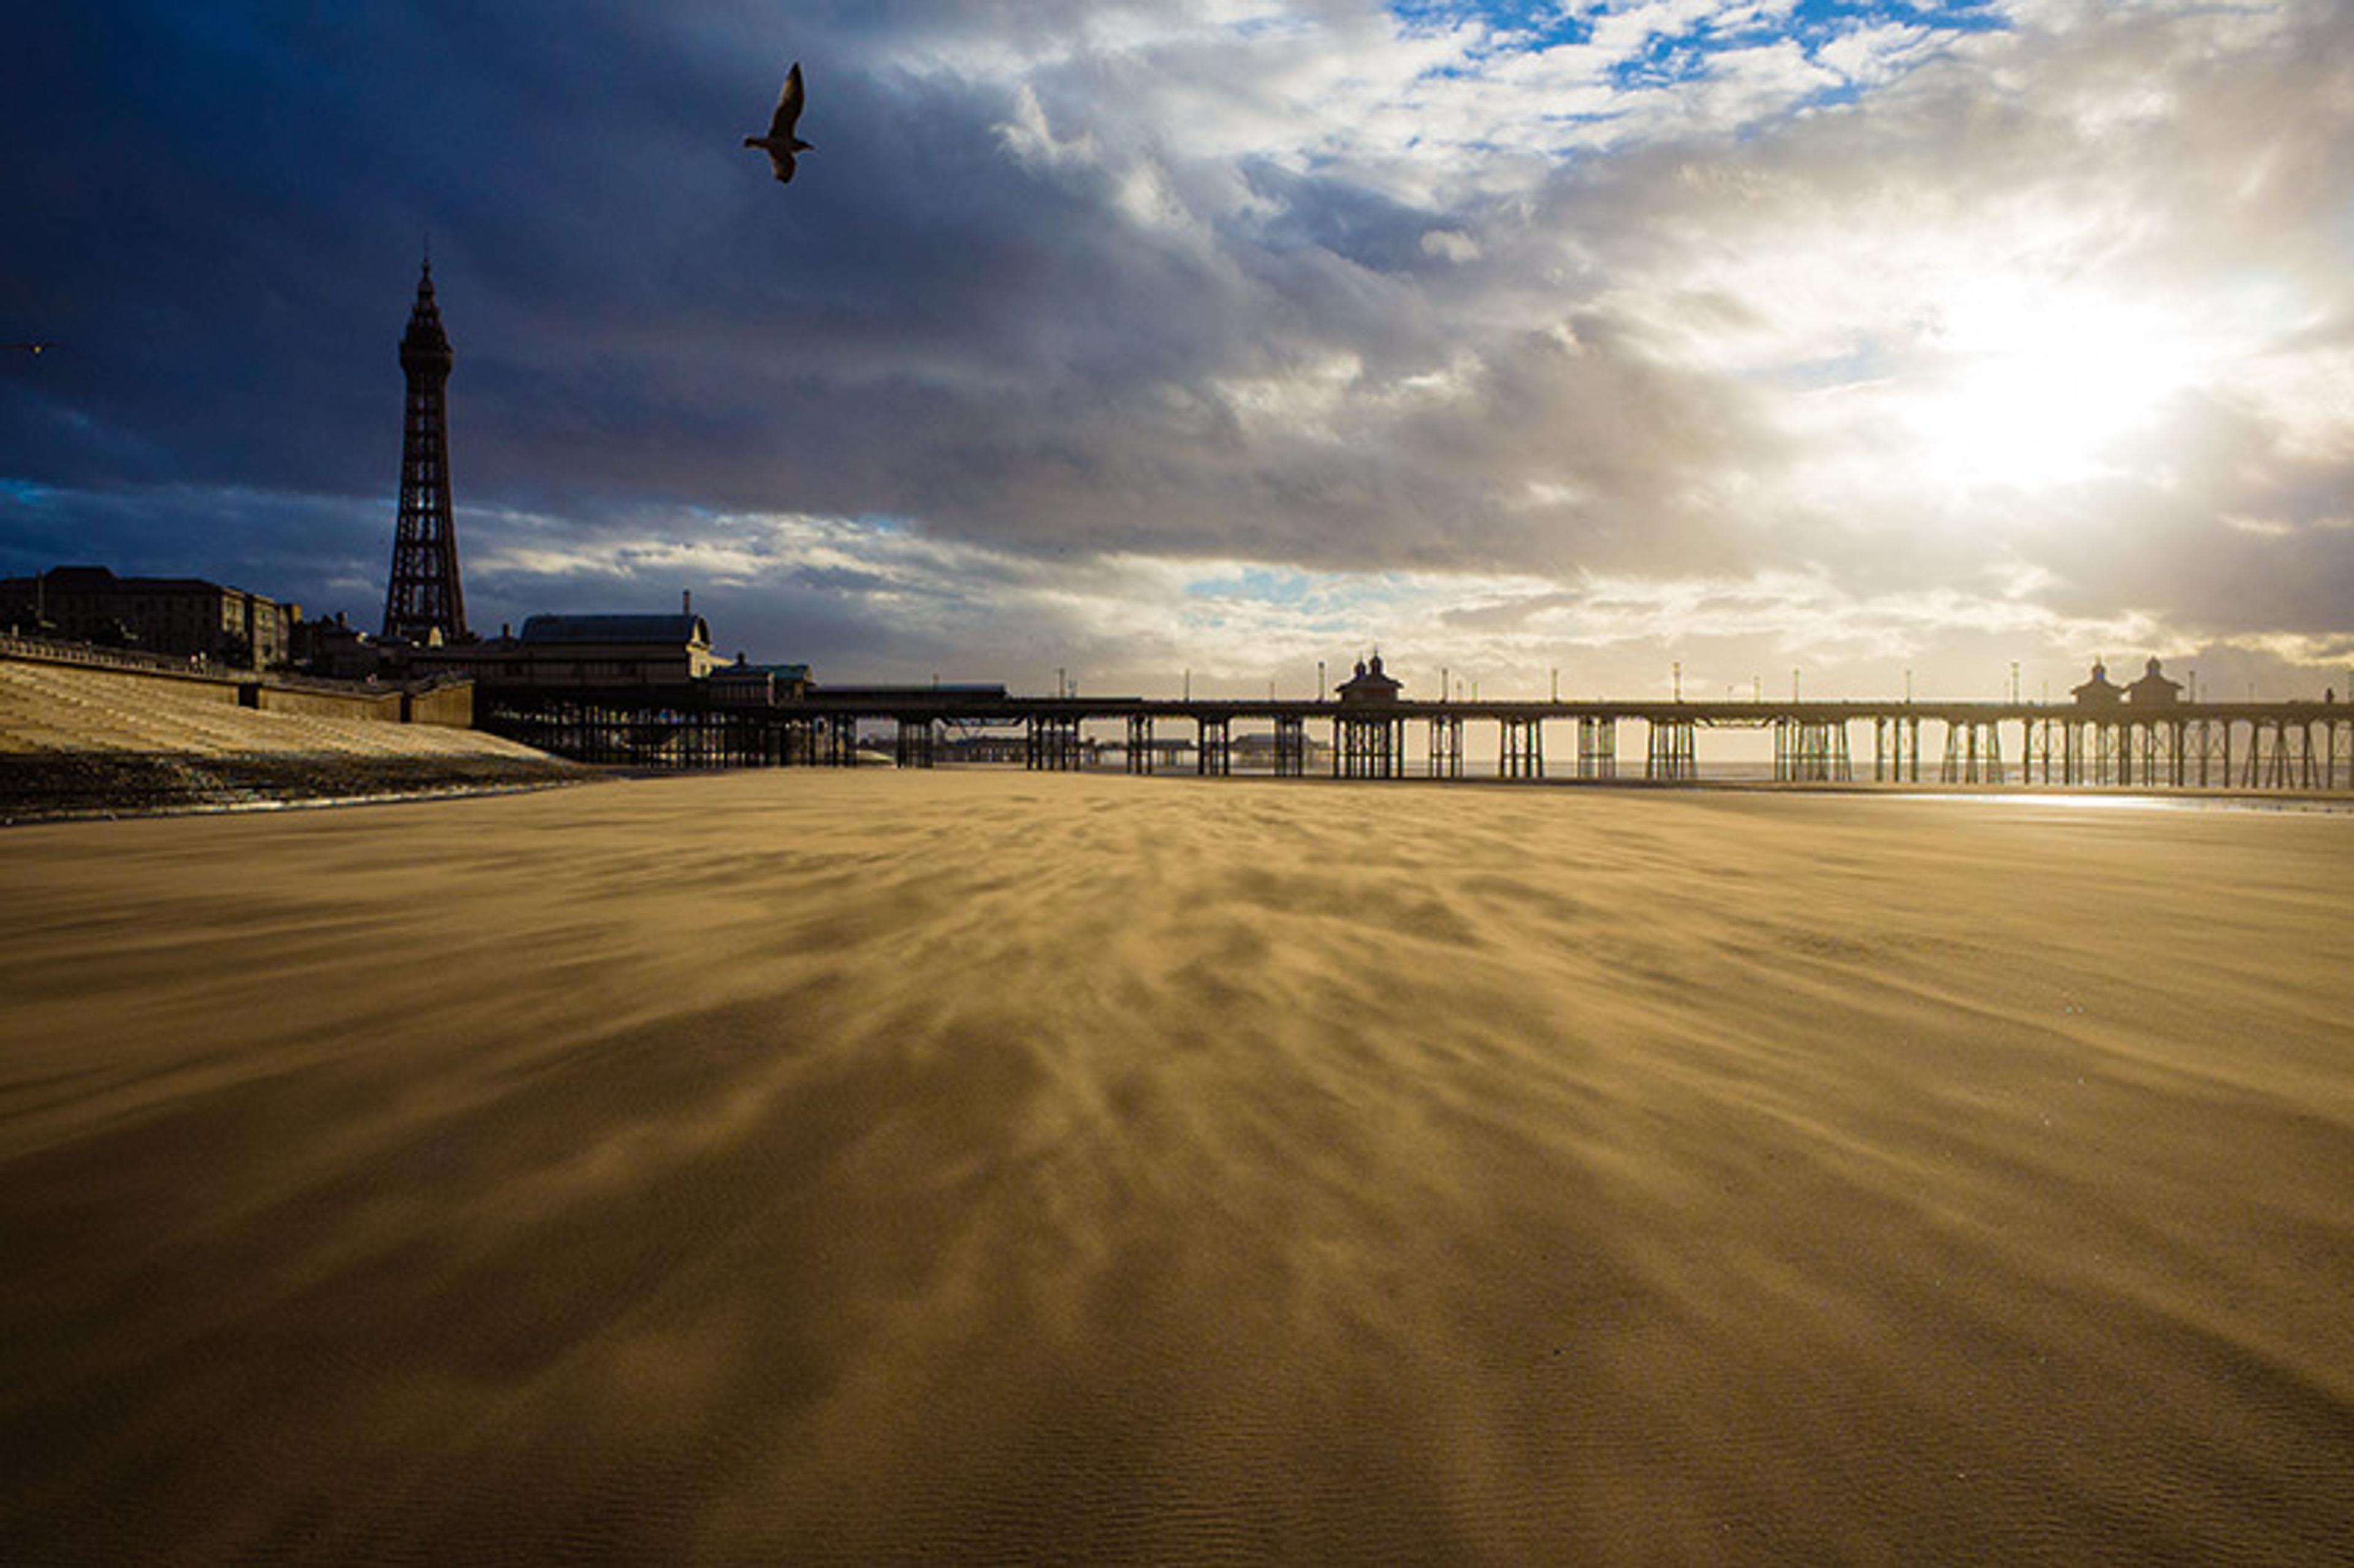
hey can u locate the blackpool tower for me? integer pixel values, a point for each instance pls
(424, 597)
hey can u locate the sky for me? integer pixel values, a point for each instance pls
(1712, 346)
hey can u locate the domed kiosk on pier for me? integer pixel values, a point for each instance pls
(1369, 738)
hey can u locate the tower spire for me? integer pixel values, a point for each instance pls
(424, 596)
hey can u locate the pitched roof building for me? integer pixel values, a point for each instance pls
(601, 652)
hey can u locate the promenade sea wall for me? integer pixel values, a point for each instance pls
(82, 735)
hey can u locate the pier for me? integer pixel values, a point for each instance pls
(2256, 746)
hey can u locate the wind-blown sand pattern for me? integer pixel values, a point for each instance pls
(992, 1168)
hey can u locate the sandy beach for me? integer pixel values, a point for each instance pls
(976, 1166)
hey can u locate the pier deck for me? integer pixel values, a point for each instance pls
(2303, 746)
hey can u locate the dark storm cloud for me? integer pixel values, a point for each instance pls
(258, 540)
(632, 310)
(226, 198)
(925, 326)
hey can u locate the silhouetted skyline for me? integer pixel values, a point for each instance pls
(1147, 340)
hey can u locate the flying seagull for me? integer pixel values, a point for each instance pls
(780, 144)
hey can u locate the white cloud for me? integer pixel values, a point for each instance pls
(1452, 244)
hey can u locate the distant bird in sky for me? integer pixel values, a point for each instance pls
(780, 144)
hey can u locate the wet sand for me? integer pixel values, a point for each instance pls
(976, 1166)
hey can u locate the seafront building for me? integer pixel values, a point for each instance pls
(614, 654)
(180, 617)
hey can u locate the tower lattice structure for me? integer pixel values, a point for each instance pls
(424, 596)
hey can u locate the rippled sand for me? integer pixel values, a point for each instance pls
(975, 1167)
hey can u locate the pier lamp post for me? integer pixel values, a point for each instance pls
(1319, 680)
(2014, 683)
(1061, 682)
(1908, 686)
(1676, 679)
(1556, 682)
(1794, 682)
(1189, 685)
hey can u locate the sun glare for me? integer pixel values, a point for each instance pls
(2034, 388)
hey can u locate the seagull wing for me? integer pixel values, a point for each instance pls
(788, 107)
(780, 164)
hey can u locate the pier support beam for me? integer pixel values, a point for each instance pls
(1364, 746)
(1973, 752)
(1214, 751)
(2044, 747)
(1672, 754)
(2153, 754)
(1597, 746)
(1520, 752)
(1811, 751)
(1140, 743)
(1446, 746)
(2104, 753)
(1052, 745)
(1897, 749)
(2282, 755)
(2207, 744)
(914, 746)
(1290, 747)
(2072, 745)
(2078, 754)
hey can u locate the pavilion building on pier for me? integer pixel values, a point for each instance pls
(2154, 690)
